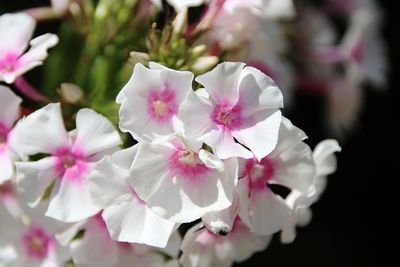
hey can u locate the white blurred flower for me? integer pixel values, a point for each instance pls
(16, 31)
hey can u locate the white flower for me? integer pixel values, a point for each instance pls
(16, 31)
(290, 165)
(34, 244)
(71, 157)
(181, 182)
(151, 99)
(9, 113)
(127, 217)
(239, 103)
(97, 249)
(60, 6)
(325, 161)
(202, 248)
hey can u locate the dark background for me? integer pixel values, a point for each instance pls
(355, 218)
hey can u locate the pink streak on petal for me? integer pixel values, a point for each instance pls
(259, 173)
(9, 62)
(71, 165)
(135, 196)
(37, 243)
(227, 115)
(161, 105)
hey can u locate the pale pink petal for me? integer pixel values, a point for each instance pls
(41, 132)
(33, 178)
(262, 138)
(9, 103)
(94, 133)
(222, 82)
(71, 202)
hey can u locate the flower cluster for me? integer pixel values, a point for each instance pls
(208, 156)
(188, 159)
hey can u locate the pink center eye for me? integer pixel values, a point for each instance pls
(226, 115)
(187, 163)
(161, 105)
(37, 243)
(259, 173)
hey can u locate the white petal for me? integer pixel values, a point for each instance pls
(289, 136)
(131, 221)
(41, 132)
(108, 183)
(262, 138)
(211, 161)
(149, 169)
(224, 146)
(95, 133)
(6, 166)
(19, 29)
(222, 81)
(296, 168)
(124, 158)
(269, 212)
(195, 113)
(134, 124)
(258, 92)
(33, 178)
(324, 156)
(71, 202)
(9, 103)
(11, 227)
(179, 81)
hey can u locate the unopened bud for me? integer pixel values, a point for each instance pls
(203, 64)
(71, 93)
(139, 57)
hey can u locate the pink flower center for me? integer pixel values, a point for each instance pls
(358, 52)
(259, 173)
(161, 105)
(8, 62)
(6, 190)
(37, 243)
(71, 164)
(186, 163)
(227, 115)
